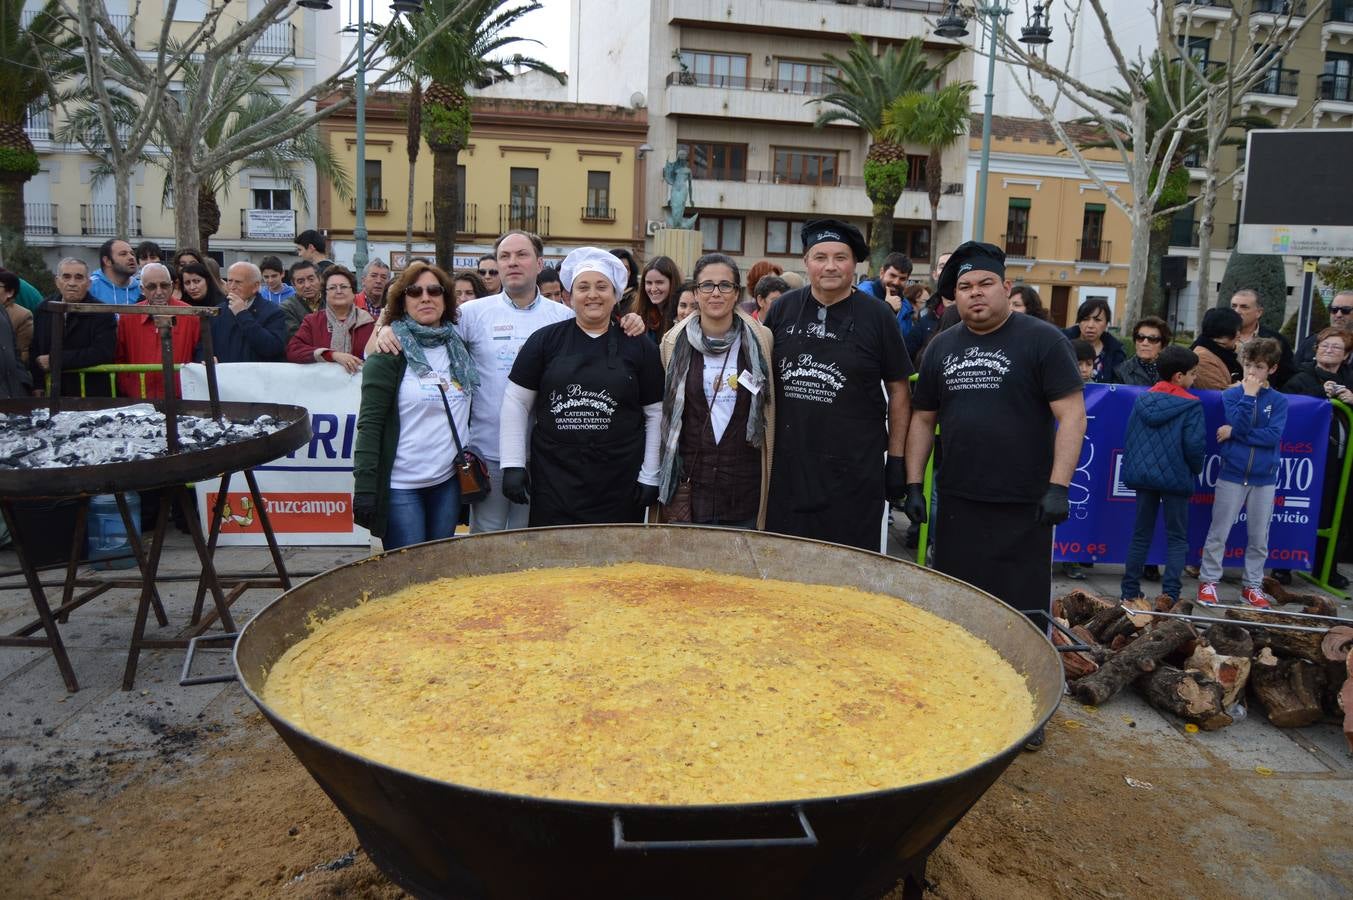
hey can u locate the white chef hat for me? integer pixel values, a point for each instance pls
(593, 259)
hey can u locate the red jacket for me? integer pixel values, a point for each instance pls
(138, 342)
(314, 335)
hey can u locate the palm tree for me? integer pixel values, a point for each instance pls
(34, 57)
(937, 119)
(863, 86)
(413, 141)
(458, 57)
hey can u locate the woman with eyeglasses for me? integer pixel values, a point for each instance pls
(337, 332)
(718, 423)
(1341, 319)
(596, 397)
(655, 302)
(1149, 337)
(406, 490)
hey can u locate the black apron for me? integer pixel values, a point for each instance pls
(588, 441)
(997, 547)
(827, 476)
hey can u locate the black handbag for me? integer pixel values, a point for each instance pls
(471, 471)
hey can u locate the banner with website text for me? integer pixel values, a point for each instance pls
(1103, 509)
(309, 492)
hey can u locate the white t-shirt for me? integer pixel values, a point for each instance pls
(426, 453)
(722, 368)
(494, 328)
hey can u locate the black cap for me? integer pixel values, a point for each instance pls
(970, 256)
(819, 230)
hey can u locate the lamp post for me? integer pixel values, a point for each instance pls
(359, 247)
(954, 24)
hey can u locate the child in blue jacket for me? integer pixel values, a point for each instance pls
(1250, 442)
(1162, 455)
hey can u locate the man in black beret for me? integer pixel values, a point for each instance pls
(996, 384)
(841, 398)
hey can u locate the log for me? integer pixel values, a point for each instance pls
(1100, 623)
(1346, 704)
(1231, 672)
(1139, 621)
(1230, 640)
(1301, 644)
(1078, 607)
(1075, 664)
(1127, 665)
(1315, 604)
(1190, 695)
(1288, 689)
(1337, 643)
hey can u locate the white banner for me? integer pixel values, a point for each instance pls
(309, 492)
(270, 223)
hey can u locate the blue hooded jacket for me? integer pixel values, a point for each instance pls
(1251, 454)
(1165, 441)
(103, 290)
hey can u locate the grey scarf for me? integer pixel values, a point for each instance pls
(340, 330)
(674, 394)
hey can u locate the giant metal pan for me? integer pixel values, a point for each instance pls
(438, 839)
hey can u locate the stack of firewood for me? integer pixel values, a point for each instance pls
(1199, 673)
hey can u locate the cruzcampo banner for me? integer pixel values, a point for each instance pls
(309, 492)
(1103, 509)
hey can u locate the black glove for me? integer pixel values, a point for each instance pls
(516, 485)
(1054, 508)
(894, 478)
(645, 495)
(914, 507)
(364, 509)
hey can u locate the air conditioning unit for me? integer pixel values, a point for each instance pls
(653, 227)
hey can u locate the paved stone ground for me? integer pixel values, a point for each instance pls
(45, 732)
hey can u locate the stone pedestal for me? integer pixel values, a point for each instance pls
(681, 244)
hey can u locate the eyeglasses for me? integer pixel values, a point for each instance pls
(414, 291)
(1149, 338)
(155, 285)
(1330, 345)
(723, 287)
(339, 288)
(1340, 310)
(488, 271)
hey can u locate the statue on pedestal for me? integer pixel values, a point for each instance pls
(677, 174)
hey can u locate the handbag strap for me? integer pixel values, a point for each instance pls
(450, 419)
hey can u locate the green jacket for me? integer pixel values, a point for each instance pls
(378, 432)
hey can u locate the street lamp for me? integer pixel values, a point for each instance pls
(954, 24)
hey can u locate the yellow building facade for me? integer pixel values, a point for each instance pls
(569, 172)
(1061, 232)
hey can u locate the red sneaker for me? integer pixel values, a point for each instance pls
(1255, 597)
(1207, 593)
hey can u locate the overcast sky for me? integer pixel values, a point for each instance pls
(549, 25)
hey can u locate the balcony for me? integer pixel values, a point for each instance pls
(841, 196)
(268, 224)
(1278, 82)
(1094, 251)
(800, 18)
(1283, 14)
(374, 206)
(100, 219)
(1184, 233)
(516, 217)
(736, 97)
(1203, 10)
(1340, 12)
(598, 214)
(467, 222)
(37, 124)
(125, 26)
(39, 218)
(278, 39)
(1338, 88)
(1022, 247)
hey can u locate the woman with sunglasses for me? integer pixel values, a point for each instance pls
(717, 425)
(596, 397)
(1149, 336)
(406, 490)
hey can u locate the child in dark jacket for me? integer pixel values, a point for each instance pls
(1250, 442)
(1162, 455)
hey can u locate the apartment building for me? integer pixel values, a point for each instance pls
(1310, 86)
(1061, 233)
(733, 83)
(570, 172)
(68, 212)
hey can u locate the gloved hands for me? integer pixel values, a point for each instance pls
(645, 495)
(894, 478)
(364, 509)
(1054, 508)
(915, 506)
(516, 485)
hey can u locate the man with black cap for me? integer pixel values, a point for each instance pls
(841, 397)
(996, 385)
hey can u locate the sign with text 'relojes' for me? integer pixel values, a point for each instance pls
(309, 492)
(1103, 508)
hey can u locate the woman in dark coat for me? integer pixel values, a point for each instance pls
(1093, 318)
(1149, 336)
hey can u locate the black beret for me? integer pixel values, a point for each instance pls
(819, 230)
(970, 256)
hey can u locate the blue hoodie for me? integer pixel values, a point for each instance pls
(1165, 441)
(277, 296)
(1251, 454)
(103, 290)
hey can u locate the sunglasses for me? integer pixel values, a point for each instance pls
(1149, 338)
(1340, 310)
(488, 271)
(155, 285)
(414, 291)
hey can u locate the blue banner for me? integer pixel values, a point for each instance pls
(1103, 509)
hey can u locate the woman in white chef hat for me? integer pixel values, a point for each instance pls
(596, 395)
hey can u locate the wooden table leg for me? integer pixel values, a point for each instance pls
(213, 534)
(268, 535)
(148, 576)
(134, 541)
(53, 638)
